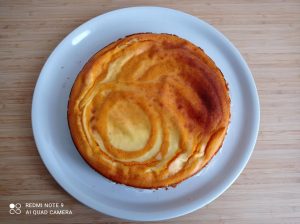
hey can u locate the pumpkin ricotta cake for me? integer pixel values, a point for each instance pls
(149, 110)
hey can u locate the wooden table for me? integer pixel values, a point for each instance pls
(266, 32)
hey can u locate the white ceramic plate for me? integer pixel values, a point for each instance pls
(52, 136)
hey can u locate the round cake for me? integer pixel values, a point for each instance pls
(149, 110)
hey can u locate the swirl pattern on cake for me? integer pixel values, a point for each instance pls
(149, 110)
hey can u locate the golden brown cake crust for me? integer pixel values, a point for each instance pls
(149, 110)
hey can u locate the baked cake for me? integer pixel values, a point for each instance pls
(149, 110)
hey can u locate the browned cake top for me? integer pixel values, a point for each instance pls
(149, 110)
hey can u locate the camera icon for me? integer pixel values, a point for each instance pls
(15, 208)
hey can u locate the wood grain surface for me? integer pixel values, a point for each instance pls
(268, 35)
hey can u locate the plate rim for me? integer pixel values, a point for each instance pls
(124, 215)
